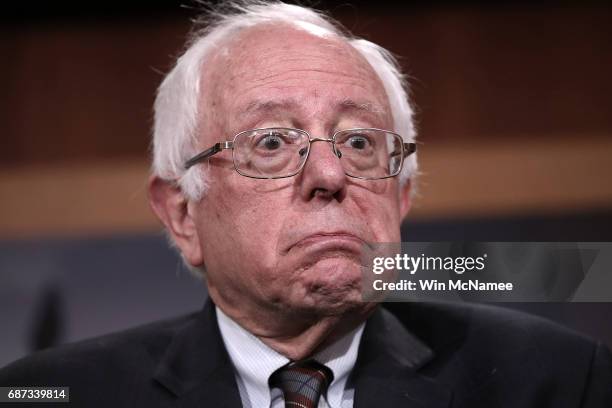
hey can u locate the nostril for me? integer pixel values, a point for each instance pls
(322, 193)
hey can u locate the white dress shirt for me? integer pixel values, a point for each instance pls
(255, 362)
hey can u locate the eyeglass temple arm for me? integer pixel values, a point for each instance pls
(208, 153)
(409, 148)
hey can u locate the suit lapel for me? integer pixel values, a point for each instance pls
(386, 373)
(197, 370)
(195, 366)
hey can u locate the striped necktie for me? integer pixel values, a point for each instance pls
(302, 383)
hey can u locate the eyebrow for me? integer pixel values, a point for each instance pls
(369, 107)
(258, 106)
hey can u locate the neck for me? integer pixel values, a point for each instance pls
(297, 336)
(313, 337)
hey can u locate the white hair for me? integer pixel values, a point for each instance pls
(177, 110)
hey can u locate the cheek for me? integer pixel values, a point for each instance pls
(386, 225)
(380, 209)
(244, 226)
(257, 228)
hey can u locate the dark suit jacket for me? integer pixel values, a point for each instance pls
(412, 355)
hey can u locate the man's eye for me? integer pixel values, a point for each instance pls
(271, 141)
(358, 142)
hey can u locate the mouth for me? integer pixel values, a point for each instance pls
(329, 241)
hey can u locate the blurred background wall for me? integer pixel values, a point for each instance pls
(514, 115)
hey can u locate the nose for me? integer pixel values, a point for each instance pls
(323, 175)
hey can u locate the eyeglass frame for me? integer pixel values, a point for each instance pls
(408, 148)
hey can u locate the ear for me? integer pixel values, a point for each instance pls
(171, 207)
(405, 198)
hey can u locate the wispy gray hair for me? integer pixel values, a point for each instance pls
(177, 109)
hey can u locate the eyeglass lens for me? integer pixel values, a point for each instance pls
(282, 152)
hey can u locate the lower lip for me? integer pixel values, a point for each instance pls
(331, 242)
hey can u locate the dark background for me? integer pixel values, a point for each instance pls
(514, 102)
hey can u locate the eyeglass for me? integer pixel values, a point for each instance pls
(272, 153)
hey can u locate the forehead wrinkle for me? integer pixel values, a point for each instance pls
(244, 68)
(345, 104)
(299, 82)
(260, 69)
(260, 108)
(290, 72)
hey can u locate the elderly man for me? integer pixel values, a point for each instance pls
(282, 149)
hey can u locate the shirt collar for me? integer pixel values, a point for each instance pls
(255, 362)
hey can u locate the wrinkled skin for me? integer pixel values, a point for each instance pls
(282, 256)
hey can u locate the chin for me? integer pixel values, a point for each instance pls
(331, 286)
